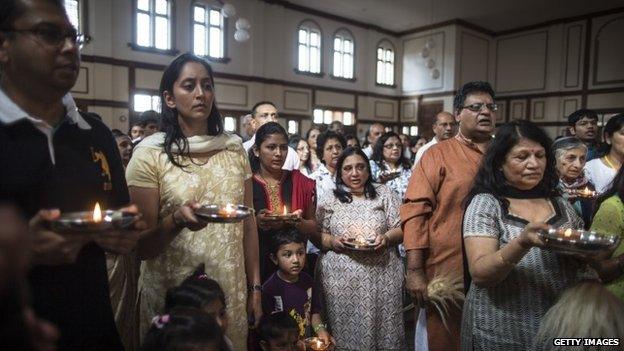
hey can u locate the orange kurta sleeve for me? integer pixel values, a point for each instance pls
(421, 200)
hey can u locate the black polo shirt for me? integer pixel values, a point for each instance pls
(86, 168)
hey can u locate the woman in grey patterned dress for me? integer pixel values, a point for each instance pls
(362, 289)
(514, 281)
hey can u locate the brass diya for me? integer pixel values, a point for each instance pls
(360, 244)
(316, 344)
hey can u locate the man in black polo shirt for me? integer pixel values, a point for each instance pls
(53, 157)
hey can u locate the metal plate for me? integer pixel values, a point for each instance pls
(352, 244)
(218, 214)
(82, 222)
(577, 241)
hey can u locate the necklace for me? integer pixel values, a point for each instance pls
(608, 162)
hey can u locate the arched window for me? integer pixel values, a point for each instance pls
(343, 54)
(208, 31)
(153, 24)
(309, 45)
(385, 63)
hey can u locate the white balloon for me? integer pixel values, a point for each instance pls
(228, 10)
(430, 63)
(424, 53)
(435, 74)
(241, 35)
(430, 43)
(243, 23)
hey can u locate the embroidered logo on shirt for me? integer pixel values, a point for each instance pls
(99, 157)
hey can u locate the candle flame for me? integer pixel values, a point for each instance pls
(229, 208)
(97, 213)
(285, 210)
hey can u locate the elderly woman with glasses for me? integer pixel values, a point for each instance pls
(570, 155)
(389, 165)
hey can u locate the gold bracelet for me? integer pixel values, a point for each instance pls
(503, 260)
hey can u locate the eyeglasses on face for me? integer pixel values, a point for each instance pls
(478, 107)
(53, 35)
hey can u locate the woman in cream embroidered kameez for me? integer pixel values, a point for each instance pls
(172, 173)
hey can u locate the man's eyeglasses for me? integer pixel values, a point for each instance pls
(53, 36)
(477, 107)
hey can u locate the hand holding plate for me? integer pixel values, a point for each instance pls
(530, 236)
(122, 241)
(185, 216)
(51, 248)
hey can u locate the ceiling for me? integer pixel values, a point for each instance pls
(494, 15)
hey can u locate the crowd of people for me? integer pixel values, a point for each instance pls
(368, 222)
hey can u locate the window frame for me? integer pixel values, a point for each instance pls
(335, 109)
(172, 51)
(225, 58)
(82, 17)
(344, 33)
(386, 44)
(151, 92)
(310, 25)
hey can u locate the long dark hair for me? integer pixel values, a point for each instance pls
(614, 124)
(169, 116)
(196, 291)
(377, 155)
(262, 134)
(293, 142)
(490, 178)
(616, 188)
(183, 329)
(341, 192)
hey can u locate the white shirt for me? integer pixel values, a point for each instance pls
(11, 113)
(599, 174)
(325, 185)
(424, 148)
(368, 151)
(292, 159)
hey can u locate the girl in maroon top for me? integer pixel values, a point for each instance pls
(276, 190)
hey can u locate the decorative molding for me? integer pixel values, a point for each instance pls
(409, 110)
(566, 103)
(538, 112)
(378, 104)
(295, 92)
(501, 114)
(461, 46)
(596, 57)
(86, 75)
(246, 89)
(518, 110)
(567, 55)
(545, 74)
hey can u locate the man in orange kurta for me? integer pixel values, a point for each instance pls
(432, 213)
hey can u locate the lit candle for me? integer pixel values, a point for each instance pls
(97, 213)
(230, 210)
(567, 233)
(285, 210)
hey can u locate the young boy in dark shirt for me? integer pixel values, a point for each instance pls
(289, 289)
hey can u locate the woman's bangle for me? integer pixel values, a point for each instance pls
(319, 327)
(503, 260)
